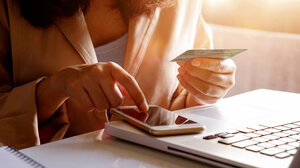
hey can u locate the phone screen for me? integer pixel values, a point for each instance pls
(157, 116)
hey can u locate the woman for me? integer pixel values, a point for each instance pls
(53, 86)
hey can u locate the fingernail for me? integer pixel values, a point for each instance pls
(196, 63)
(144, 107)
(181, 63)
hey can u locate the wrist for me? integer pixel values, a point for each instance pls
(49, 97)
(192, 101)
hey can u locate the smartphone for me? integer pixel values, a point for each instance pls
(157, 120)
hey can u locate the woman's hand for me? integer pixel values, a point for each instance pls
(88, 88)
(206, 80)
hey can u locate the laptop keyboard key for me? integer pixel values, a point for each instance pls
(280, 134)
(297, 137)
(244, 144)
(282, 128)
(257, 127)
(294, 144)
(266, 145)
(291, 125)
(290, 132)
(262, 132)
(233, 131)
(272, 151)
(282, 155)
(277, 142)
(272, 130)
(296, 129)
(286, 147)
(286, 139)
(221, 134)
(209, 137)
(297, 123)
(252, 135)
(270, 137)
(245, 130)
(237, 138)
(254, 148)
(260, 139)
(292, 152)
(226, 136)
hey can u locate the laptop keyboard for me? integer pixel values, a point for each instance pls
(274, 140)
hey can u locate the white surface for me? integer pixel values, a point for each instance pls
(96, 149)
(113, 51)
(10, 160)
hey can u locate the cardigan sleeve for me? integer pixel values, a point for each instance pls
(18, 113)
(17, 104)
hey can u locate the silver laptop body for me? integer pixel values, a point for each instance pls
(249, 115)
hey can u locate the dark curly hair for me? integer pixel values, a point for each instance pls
(42, 13)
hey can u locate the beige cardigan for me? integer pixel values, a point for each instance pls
(28, 53)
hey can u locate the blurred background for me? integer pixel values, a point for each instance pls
(270, 30)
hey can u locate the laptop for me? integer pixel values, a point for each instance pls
(255, 129)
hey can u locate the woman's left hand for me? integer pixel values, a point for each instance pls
(207, 80)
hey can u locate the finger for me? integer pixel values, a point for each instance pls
(202, 86)
(98, 97)
(203, 99)
(94, 91)
(111, 90)
(131, 112)
(142, 116)
(123, 91)
(215, 65)
(223, 80)
(130, 84)
(82, 97)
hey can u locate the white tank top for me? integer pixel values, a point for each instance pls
(113, 51)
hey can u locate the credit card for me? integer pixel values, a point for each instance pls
(208, 53)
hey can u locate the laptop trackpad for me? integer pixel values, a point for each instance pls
(228, 115)
(233, 112)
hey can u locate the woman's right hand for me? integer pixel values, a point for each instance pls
(89, 87)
